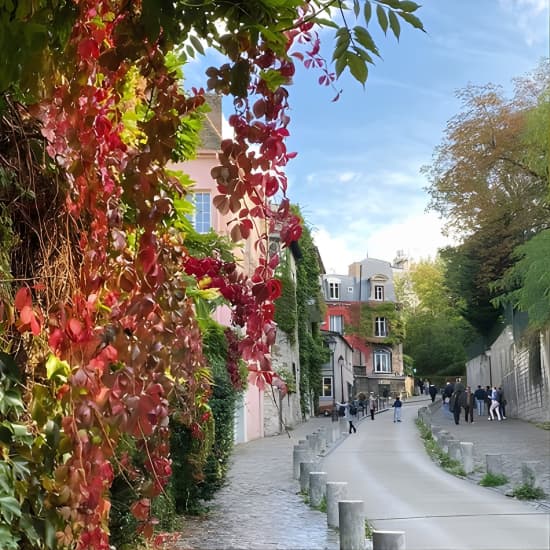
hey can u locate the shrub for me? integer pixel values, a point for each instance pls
(493, 480)
(528, 492)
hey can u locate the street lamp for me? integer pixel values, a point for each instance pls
(341, 364)
(331, 343)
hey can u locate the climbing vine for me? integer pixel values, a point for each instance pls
(102, 305)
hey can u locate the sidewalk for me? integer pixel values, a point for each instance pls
(260, 508)
(516, 440)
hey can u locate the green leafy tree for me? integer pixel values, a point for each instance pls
(526, 285)
(435, 334)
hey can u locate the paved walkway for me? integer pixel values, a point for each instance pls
(515, 440)
(260, 507)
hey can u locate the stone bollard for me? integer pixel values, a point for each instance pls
(388, 540)
(494, 464)
(444, 442)
(467, 452)
(531, 473)
(305, 469)
(336, 491)
(313, 440)
(336, 431)
(351, 517)
(454, 449)
(344, 426)
(440, 434)
(299, 455)
(323, 443)
(317, 488)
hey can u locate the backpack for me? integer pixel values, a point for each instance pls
(341, 410)
(353, 410)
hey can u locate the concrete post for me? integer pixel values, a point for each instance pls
(493, 464)
(336, 491)
(322, 439)
(313, 440)
(336, 431)
(388, 540)
(351, 517)
(454, 449)
(344, 426)
(317, 488)
(467, 452)
(531, 473)
(299, 455)
(305, 469)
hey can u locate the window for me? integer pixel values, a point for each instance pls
(380, 328)
(350, 289)
(378, 292)
(336, 323)
(327, 386)
(382, 361)
(201, 218)
(333, 291)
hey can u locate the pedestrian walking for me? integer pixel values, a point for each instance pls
(495, 405)
(455, 404)
(397, 409)
(480, 396)
(447, 392)
(372, 405)
(468, 402)
(349, 413)
(432, 390)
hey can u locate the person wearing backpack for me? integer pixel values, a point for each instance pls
(348, 415)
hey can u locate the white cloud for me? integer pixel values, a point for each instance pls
(531, 17)
(418, 236)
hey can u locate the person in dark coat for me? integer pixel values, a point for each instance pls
(432, 390)
(481, 397)
(467, 402)
(455, 404)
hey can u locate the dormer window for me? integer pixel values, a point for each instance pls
(378, 292)
(333, 290)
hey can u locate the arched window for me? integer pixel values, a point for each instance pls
(382, 361)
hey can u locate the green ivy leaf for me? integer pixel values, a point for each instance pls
(364, 38)
(9, 508)
(412, 20)
(196, 44)
(57, 369)
(382, 18)
(408, 6)
(358, 67)
(367, 11)
(356, 8)
(391, 3)
(340, 65)
(394, 24)
(8, 541)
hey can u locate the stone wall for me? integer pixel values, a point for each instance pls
(522, 369)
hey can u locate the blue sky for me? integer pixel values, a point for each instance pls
(357, 174)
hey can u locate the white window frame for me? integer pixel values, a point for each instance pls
(379, 293)
(336, 323)
(333, 290)
(380, 327)
(327, 381)
(202, 214)
(382, 361)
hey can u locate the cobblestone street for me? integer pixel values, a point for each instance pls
(260, 508)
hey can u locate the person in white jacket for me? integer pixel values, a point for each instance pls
(348, 415)
(495, 405)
